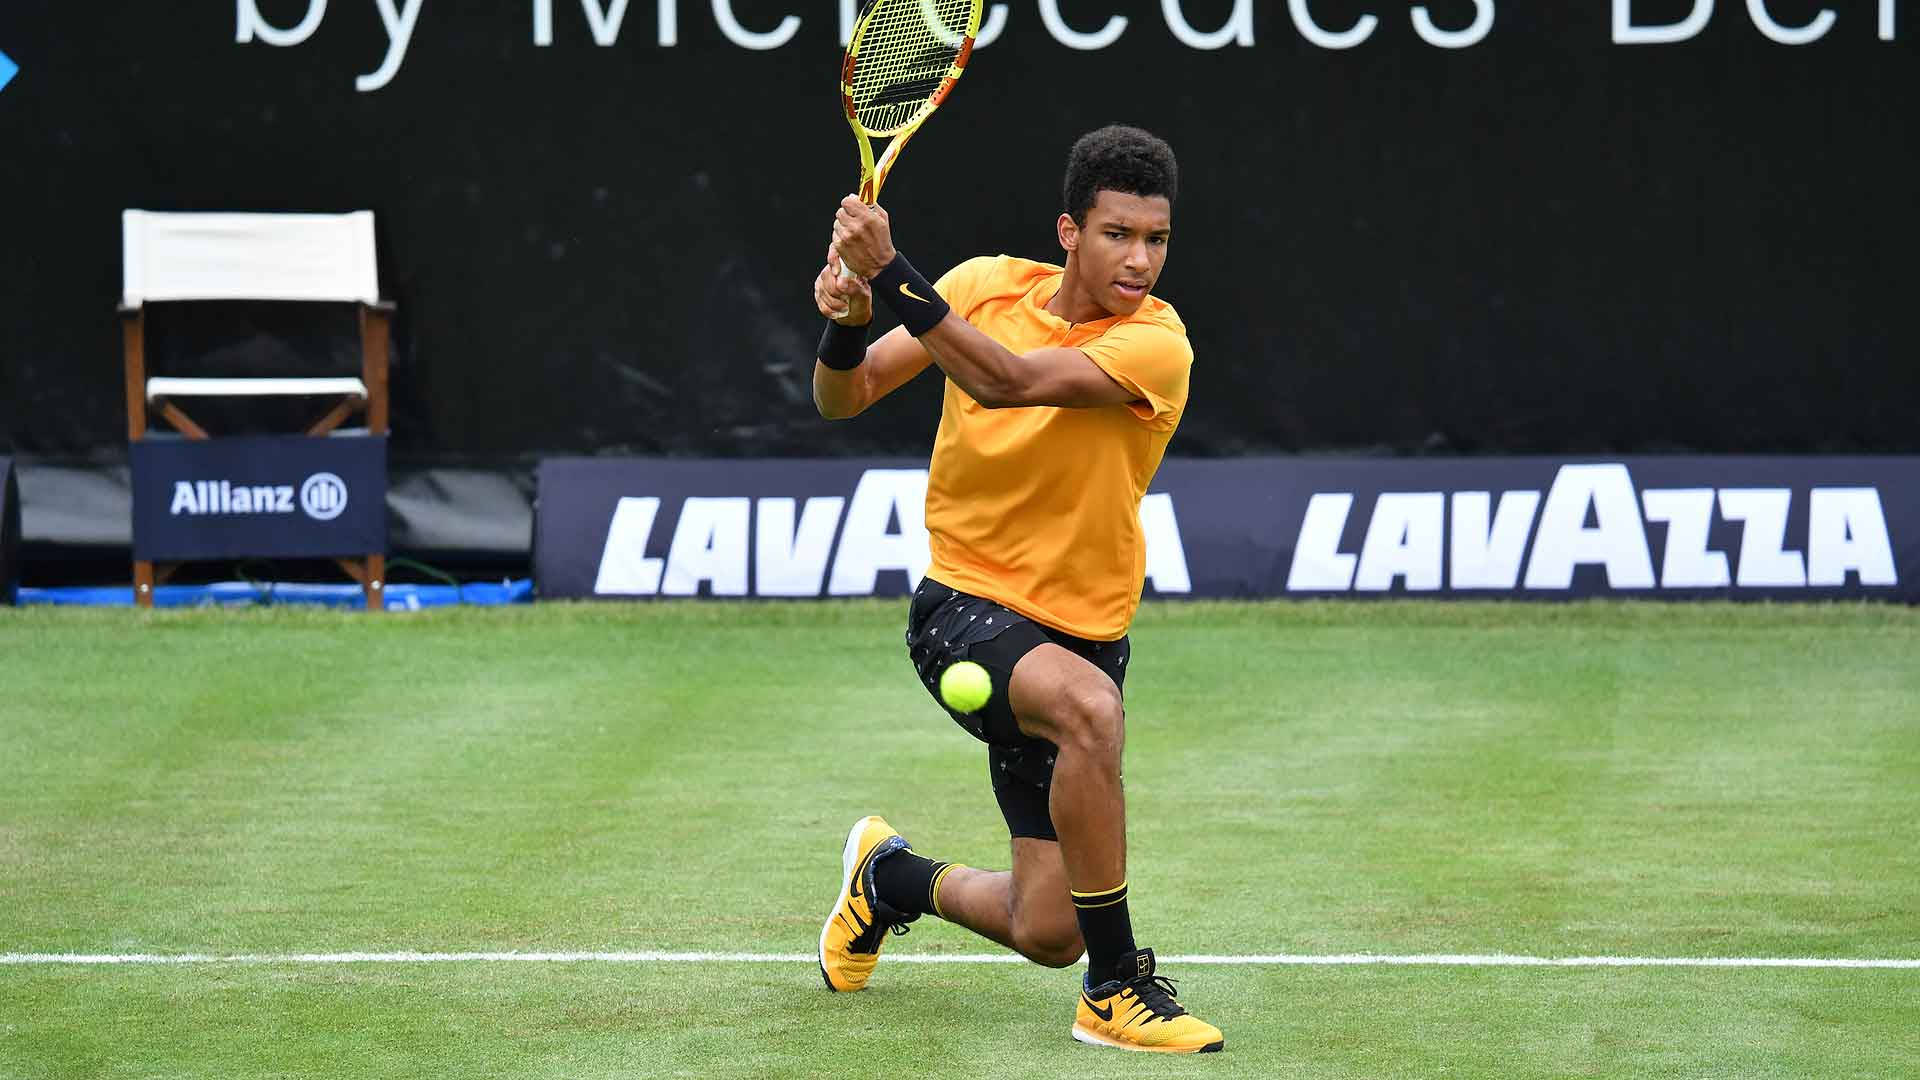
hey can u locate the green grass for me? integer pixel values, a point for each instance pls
(1643, 780)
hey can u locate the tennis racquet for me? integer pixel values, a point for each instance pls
(902, 61)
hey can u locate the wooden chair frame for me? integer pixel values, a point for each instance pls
(370, 570)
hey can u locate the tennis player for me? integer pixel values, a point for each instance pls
(1064, 384)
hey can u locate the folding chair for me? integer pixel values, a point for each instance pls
(249, 257)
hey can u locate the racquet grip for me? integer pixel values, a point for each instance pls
(846, 275)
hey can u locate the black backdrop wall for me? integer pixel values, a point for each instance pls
(1545, 240)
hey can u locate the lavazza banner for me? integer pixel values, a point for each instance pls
(1523, 528)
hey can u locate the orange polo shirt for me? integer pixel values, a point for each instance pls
(1038, 508)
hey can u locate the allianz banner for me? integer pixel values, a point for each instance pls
(264, 496)
(1524, 528)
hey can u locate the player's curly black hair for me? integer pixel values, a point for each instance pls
(1118, 158)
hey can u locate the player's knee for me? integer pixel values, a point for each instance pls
(1056, 948)
(1063, 955)
(1092, 720)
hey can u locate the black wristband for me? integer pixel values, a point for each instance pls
(908, 296)
(843, 348)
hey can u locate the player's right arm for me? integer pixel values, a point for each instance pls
(982, 368)
(889, 363)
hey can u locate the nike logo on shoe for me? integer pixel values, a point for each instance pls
(1106, 1015)
(857, 887)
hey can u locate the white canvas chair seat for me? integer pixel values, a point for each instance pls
(166, 387)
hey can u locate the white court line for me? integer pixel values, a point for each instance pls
(1273, 960)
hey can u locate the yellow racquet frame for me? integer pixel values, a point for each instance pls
(873, 173)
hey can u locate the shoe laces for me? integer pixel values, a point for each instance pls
(898, 929)
(1157, 992)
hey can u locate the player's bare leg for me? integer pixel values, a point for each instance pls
(1027, 909)
(1065, 700)
(1061, 898)
(1062, 698)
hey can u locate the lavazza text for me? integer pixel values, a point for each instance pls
(1593, 515)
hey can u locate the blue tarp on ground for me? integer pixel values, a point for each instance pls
(251, 593)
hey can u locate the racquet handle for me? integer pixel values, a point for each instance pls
(846, 275)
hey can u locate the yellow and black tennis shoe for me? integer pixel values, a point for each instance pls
(859, 922)
(1139, 1013)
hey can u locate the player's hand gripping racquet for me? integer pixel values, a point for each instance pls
(902, 60)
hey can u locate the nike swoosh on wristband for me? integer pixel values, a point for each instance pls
(904, 291)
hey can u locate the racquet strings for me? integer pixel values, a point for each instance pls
(905, 53)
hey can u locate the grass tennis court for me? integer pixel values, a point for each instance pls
(1558, 781)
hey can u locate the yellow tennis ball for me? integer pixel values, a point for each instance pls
(965, 687)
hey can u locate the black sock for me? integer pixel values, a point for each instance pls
(907, 882)
(1107, 930)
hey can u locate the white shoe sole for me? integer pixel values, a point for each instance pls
(1091, 1039)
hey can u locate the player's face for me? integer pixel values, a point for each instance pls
(1122, 248)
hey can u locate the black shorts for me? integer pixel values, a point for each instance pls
(945, 626)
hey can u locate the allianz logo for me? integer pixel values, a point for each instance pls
(1467, 540)
(322, 497)
(826, 545)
